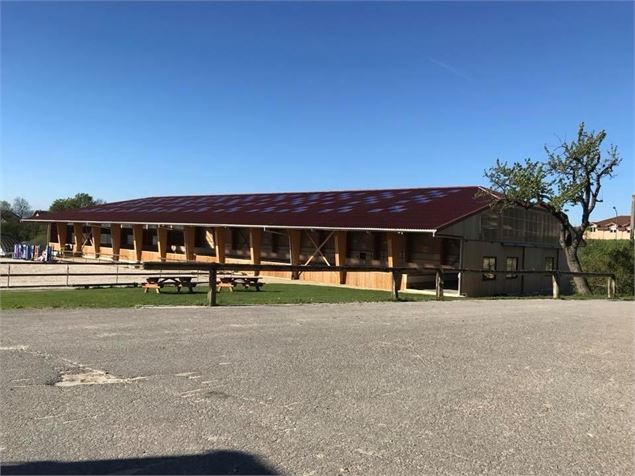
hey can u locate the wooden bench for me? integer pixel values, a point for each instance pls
(230, 281)
(158, 282)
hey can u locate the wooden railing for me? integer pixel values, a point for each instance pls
(120, 274)
(396, 273)
(210, 270)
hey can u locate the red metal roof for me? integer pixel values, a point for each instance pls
(620, 221)
(394, 209)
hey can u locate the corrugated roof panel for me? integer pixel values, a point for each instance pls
(394, 209)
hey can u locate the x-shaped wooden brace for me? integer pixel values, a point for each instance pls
(318, 249)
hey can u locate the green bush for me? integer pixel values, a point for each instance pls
(614, 256)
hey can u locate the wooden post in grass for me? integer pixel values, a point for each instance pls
(295, 242)
(396, 282)
(439, 284)
(612, 285)
(211, 294)
(555, 280)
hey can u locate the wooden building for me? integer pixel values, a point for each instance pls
(451, 226)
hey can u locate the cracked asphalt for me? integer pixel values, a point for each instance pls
(460, 387)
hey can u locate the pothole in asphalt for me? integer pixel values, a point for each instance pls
(90, 377)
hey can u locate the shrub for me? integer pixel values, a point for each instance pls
(614, 256)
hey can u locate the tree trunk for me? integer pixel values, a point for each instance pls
(581, 283)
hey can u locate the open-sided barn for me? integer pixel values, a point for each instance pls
(451, 226)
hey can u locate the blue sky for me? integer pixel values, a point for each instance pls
(123, 100)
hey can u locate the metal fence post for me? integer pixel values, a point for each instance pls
(117, 273)
(9, 276)
(67, 271)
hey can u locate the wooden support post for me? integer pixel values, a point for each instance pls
(188, 241)
(78, 237)
(295, 239)
(612, 287)
(96, 232)
(395, 253)
(220, 238)
(555, 280)
(115, 238)
(255, 245)
(340, 253)
(162, 242)
(137, 238)
(62, 228)
(211, 294)
(396, 282)
(439, 285)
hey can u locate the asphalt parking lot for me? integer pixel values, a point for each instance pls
(508, 387)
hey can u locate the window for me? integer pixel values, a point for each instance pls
(489, 263)
(511, 264)
(550, 263)
(105, 237)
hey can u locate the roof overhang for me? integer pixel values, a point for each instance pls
(233, 225)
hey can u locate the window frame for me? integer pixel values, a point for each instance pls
(515, 268)
(488, 267)
(552, 261)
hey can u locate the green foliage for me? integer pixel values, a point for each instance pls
(80, 200)
(12, 227)
(614, 256)
(571, 175)
(131, 297)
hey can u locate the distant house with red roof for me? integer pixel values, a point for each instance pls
(616, 228)
(441, 226)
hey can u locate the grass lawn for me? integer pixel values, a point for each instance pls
(131, 297)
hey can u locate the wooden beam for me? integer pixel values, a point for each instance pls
(162, 242)
(78, 237)
(255, 246)
(62, 228)
(137, 238)
(96, 232)
(211, 293)
(188, 241)
(340, 253)
(395, 243)
(295, 239)
(115, 238)
(220, 239)
(209, 237)
(396, 284)
(439, 285)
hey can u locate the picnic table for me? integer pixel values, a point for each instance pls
(157, 283)
(230, 281)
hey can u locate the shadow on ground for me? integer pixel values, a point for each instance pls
(216, 462)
